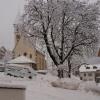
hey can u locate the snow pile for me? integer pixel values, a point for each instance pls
(75, 84)
(90, 86)
(67, 83)
(39, 88)
(48, 77)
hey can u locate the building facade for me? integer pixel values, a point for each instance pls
(90, 73)
(87, 76)
(24, 46)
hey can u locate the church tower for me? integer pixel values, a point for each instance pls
(24, 45)
(17, 33)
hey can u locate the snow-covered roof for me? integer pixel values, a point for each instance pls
(94, 60)
(21, 60)
(89, 68)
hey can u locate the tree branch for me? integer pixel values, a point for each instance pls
(54, 43)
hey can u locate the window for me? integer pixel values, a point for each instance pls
(89, 74)
(80, 78)
(30, 55)
(87, 67)
(25, 54)
(94, 67)
(84, 74)
(18, 37)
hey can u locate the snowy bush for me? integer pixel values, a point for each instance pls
(66, 83)
(90, 86)
(48, 77)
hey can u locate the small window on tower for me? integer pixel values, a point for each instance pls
(25, 54)
(18, 37)
(30, 55)
(16, 29)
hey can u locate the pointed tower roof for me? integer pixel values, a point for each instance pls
(18, 18)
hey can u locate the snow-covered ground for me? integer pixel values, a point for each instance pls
(40, 88)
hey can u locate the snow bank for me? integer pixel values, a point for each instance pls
(75, 84)
(90, 86)
(39, 88)
(67, 83)
(48, 77)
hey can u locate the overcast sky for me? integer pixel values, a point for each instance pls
(8, 11)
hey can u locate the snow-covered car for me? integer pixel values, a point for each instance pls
(27, 72)
(20, 71)
(12, 72)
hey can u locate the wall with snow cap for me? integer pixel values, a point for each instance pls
(12, 92)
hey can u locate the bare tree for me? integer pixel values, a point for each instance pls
(66, 27)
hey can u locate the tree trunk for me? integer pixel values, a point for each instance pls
(60, 73)
(49, 50)
(69, 68)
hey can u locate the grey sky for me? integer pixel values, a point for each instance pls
(8, 12)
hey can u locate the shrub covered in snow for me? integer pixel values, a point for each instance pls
(72, 84)
(90, 86)
(76, 84)
(66, 83)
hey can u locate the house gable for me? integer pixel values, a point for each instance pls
(24, 47)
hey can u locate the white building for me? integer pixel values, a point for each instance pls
(90, 72)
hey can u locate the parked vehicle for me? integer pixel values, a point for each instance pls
(20, 71)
